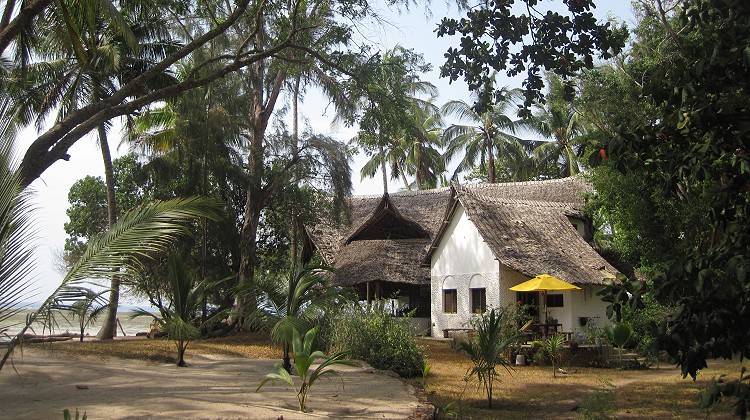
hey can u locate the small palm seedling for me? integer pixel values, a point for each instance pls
(304, 357)
(85, 308)
(487, 349)
(552, 346)
(66, 415)
(181, 319)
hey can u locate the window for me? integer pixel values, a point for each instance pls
(450, 296)
(478, 300)
(554, 301)
(478, 294)
(450, 301)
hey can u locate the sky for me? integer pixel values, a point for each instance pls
(409, 29)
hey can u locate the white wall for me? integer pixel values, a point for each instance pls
(461, 254)
(462, 249)
(588, 304)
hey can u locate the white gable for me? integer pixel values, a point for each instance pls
(462, 249)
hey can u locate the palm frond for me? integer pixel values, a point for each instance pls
(16, 240)
(138, 235)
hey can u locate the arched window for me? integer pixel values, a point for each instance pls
(450, 296)
(478, 293)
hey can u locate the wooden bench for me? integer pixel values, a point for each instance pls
(447, 331)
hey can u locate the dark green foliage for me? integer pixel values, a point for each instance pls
(621, 293)
(693, 69)
(496, 38)
(376, 337)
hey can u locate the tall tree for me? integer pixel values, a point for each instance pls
(694, 149)
(191, 27)
(88, 50)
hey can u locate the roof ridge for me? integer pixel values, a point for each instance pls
(406, 193)
(522, 183)
(503, 200)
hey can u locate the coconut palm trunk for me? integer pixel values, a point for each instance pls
(109, 325)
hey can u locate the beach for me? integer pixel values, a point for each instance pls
(131, 326)
(45, 382)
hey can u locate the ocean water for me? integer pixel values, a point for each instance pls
(130, 325)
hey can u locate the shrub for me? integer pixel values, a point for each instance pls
(376, 337)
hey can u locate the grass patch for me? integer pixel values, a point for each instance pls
(532, 391)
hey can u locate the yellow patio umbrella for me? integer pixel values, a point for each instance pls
(542, 283)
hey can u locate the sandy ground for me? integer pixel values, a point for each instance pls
(44, 384)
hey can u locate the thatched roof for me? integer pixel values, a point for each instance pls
(387, 238)
(527, 228)
(391, 237)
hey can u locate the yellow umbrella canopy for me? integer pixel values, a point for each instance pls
(544, 282)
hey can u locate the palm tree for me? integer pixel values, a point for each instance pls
(88, 50)
(87, 305)
(297, 304)
(483, 136)
(392, 129)
(422, 142)
(487, 349)
(140, 233)
(559, 120)
(182, 319)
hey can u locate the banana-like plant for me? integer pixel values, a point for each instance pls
(619, 333)
(304, 357)
(136, 237)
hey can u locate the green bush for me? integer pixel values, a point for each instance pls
(376, 337)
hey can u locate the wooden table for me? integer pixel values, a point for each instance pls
(546, 330)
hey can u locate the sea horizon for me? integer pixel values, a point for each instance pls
(131, 326)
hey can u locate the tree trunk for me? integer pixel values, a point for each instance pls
(287, 361)
(490, 160)
(295, 155)
(181, 347)
(383, 168)
(109, 326)
(257, 195)
(403, 177)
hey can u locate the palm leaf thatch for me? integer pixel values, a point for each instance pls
(137, 236)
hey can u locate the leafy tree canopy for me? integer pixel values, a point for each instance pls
(495, 38)
(686, 146)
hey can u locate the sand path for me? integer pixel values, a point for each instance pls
(211, 388)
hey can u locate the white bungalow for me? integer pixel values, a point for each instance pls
(495, 236)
